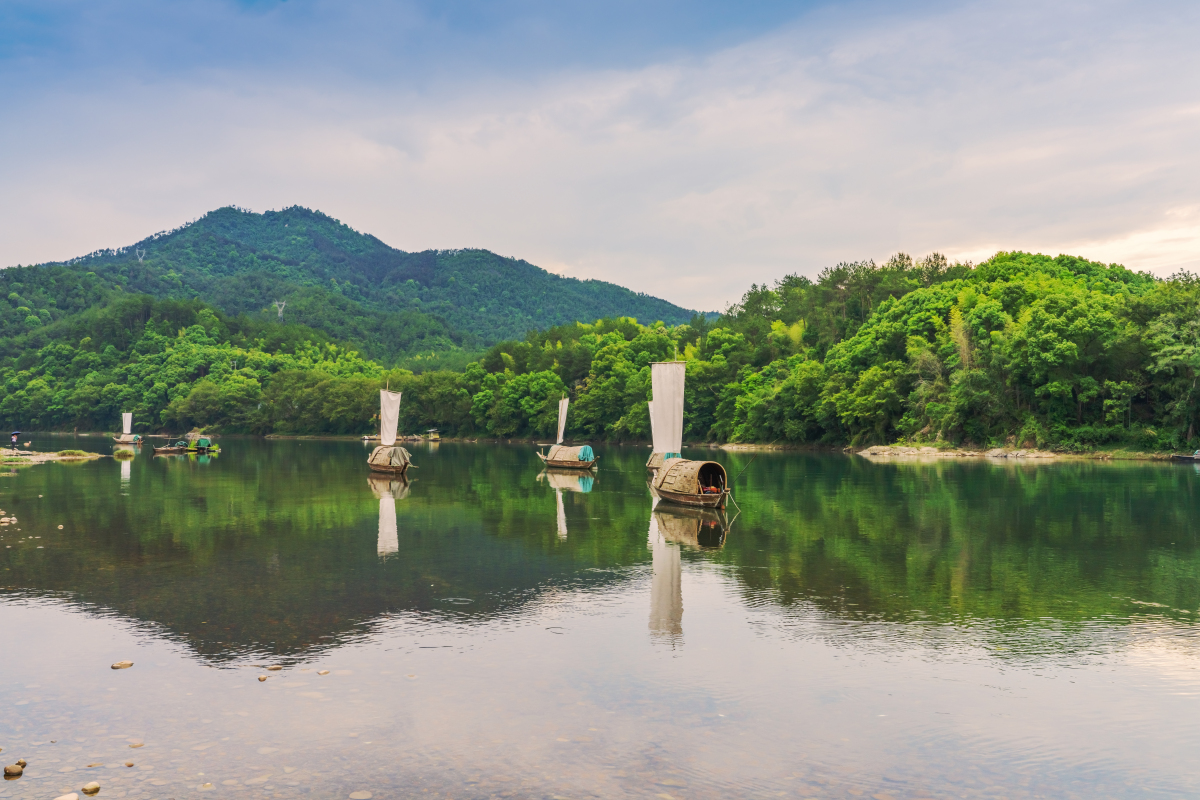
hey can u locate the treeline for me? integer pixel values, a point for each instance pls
(1023, 349)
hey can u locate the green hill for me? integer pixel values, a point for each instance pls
(350, 285)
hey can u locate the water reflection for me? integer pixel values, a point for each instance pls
(565, 481)
(900, 630)
(388, 490)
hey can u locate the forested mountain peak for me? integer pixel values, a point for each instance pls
(243, 261)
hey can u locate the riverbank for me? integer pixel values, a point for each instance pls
(896, 451)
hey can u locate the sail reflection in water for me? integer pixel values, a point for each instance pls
(671, 528)
(388, 490)
(562, 481)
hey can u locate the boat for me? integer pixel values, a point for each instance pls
(389, 458)
(127, 435)
(559, 456)
(202, 444)
(701, 484)
(178, 448)
(432, 435)
(1194, 457)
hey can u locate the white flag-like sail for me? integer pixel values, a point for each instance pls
(562, 417)
(653, 439)
(127, 423)
(389, 416)
(666, 411)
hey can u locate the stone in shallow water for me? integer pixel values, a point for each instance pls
(262, 677)
(274, 668)
(14, 771)
(129, 763)
(90, 788)
(122, 665)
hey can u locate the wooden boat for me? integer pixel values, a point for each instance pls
(574, 458)
(700, 484)
(127, 435)
(178, 448)
(562, 457)
(1185, 457)
(389, 458)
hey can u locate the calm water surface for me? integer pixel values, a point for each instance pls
(886, 630)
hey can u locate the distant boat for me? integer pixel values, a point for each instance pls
(178, 448)
(127, 436)
(702, 484)
(562, 457)
(388, 457)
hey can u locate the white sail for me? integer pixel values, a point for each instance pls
(127, 423)
(388, 541)
(562, 516)
(650, 407)
(666, 411)
(389, 416)
(562, 417)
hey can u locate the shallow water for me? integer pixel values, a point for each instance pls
(902, 630)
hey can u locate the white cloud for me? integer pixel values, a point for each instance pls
(988, 126)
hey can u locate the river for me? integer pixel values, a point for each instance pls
(854, 629)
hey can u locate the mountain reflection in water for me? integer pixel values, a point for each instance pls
(840, 586)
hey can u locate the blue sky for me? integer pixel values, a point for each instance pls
(628, 141)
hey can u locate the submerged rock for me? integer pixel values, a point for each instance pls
(90, 788)
(122, 665)
(14, 771)
(262, 677)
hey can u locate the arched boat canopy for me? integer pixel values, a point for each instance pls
(690, 477)
(560, 452)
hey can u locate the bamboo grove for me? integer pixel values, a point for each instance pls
(1020, 349)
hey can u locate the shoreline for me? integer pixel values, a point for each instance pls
(891, 451)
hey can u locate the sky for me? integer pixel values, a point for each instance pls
(685, 150)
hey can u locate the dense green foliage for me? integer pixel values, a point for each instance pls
(385, 302)
(1022, 349)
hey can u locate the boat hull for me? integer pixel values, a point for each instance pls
(556, 463)
(166, 451)
(387, 469)
(1188, 459)
(715, 500)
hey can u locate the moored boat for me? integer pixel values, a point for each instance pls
(178, 448)
(700, 484)
(389, 457)
(127, 435)
(559, 456)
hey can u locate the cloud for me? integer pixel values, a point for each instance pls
(965, 129)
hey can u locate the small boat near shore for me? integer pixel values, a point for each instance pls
(127, 435)
(389, 458)
(699, 484)
(559, 456)
(1189, 459)
(179, 448)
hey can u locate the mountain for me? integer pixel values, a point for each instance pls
(351, 285)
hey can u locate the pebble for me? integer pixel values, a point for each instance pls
(14, 771)
(129, 763)
(22, 763)
(122, 665)
(274, 668)
(323, 672)
(60, 527)
(262, 677)
(138, 744)
(90, 788)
